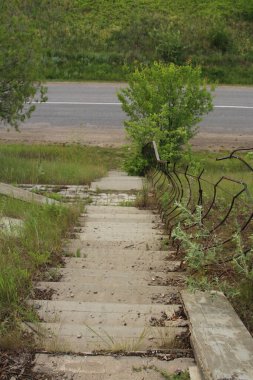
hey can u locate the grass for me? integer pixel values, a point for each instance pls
(56, 164)
(22, 256)
(164, 374)
(118, 345)
(107, 40)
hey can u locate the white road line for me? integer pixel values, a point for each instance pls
(119, 104)
(236, 107)
(82, 103)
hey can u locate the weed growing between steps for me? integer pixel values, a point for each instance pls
(56, 164)
(216, 239)
(164, 374)
(23, 255)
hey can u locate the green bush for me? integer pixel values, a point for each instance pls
(164, 103)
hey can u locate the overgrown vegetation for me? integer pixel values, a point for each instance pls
(211, 266)
(208, 234)
(84, 39)
(24, 251)
(56, 164)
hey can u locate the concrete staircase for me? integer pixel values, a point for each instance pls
(116, 310)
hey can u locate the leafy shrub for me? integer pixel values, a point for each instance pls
(164, 103)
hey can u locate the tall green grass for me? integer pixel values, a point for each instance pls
(37, 244)
(56, 164)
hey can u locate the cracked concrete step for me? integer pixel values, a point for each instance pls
(106, 314)
(120, 217)
(78, 275)
(74, 245)
(118, 226)
(108, 367)
(122, 263)
(145, 244)
(135, 233)
(109, 292)
(142, 245)
(114, 210)
(65, 337)
(120, 173)
(117, 254)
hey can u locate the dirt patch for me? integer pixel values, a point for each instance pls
(216, 142)
(17, 365)
(46, 134)
(159, 281)
(167, 299)
(112, 137)
(43, 294)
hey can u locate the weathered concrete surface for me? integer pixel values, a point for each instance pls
(82, 290)
(24, 195)
(79, 338)
(118, 181)
(109, 368)
(104, 313)
(125, 263)
(195, 373)
(222, 344)
(106, 271)
(73, 193)
(118, 292)
(75, 247)
(111, 210)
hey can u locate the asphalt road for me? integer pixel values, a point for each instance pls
(96, 104)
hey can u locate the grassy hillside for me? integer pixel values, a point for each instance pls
(106, 39)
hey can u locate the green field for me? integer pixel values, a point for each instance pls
(105, 40)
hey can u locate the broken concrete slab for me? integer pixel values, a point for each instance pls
(222, 344)
(24, 195)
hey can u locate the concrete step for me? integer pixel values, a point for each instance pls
(119, 218)
(69, 337)
(109, 367)
(83, 275)
(105, 314)
(113, 210)
(121, 263)
(118, 183)
(98, 291)
(120, 173)
(146, 243)
(135, 233)
(74, 246)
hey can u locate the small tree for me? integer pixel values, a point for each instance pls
(164, 103)
(20, 64)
